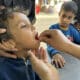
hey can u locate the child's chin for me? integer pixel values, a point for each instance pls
(36, 46)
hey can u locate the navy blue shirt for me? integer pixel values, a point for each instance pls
(15, 69)
(72, 34)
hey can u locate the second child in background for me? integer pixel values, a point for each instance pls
(66, 15)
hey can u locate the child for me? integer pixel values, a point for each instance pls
(23, 34)
(19, 29)
(66, 16)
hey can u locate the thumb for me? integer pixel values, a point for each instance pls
(45, 36)
(32, 56)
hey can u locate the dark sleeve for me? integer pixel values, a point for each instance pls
(52, 51)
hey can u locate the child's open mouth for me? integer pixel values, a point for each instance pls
(63, 24)
(36, 36)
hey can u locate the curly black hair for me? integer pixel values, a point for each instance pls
(4, 15)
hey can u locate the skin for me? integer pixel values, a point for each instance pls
(23, 33)
(58, 61)
(49, 37)
(65, 18)
(47, 69)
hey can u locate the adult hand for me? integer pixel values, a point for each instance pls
(3, 54)
(55, 38)
(8, 46)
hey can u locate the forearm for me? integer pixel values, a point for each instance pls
(40, 69)
(73, 49)
(53, 71)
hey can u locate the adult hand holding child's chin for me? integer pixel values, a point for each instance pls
(7, 46)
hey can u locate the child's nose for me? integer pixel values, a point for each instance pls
(65, 19)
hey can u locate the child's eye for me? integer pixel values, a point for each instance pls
(63, 15)
(23, 26)
(69, 17)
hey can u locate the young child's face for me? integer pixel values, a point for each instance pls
(66, 18)
(23, 32)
